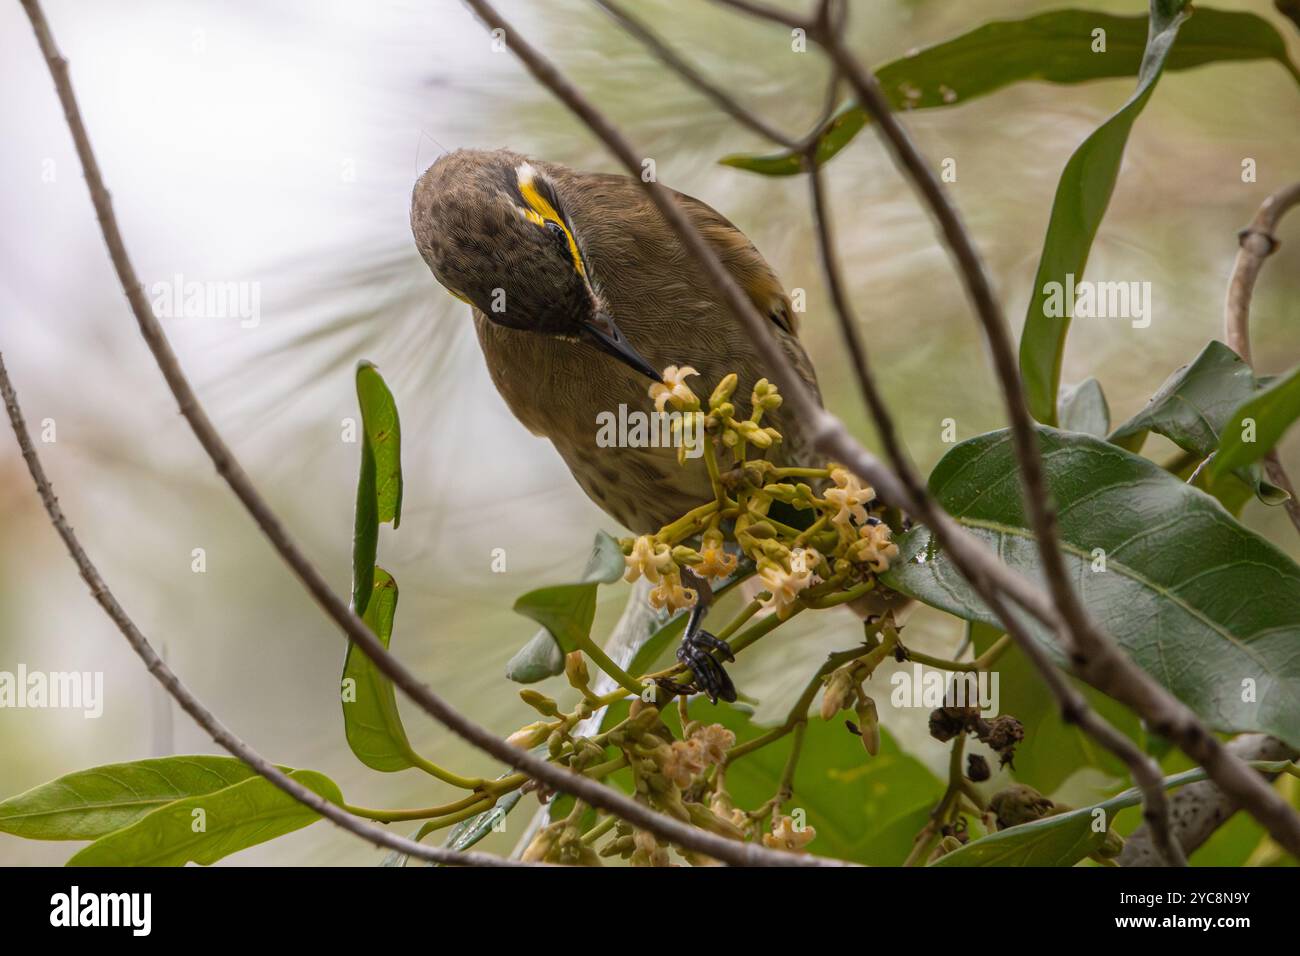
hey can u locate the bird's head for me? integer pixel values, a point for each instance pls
(494, 232)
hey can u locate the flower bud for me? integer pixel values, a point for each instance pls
(539, 702)
(869, 724)
(530, 736)
(724, 390)
(836, 697)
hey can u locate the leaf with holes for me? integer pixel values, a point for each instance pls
(1208, 608)
(1051, 47)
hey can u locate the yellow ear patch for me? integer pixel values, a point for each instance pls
(540, 211)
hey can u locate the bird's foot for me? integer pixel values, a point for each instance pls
(696, 653)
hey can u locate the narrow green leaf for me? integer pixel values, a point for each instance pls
(541, 657)
(1052, 47)
(1083, 408)
(1205, 606)
(370, 717)
(1270, 413)
(1192, 408)
(208, 827)
(1081, 200)
(379, 486)
(90, 803)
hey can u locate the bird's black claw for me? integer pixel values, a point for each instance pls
(710, 677)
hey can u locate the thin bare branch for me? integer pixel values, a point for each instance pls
(557, 777)
(182, 695)
(1258, 242)
(679, 65)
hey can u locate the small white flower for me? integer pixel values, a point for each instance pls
(674, 389)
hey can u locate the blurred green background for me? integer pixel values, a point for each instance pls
(277, 144)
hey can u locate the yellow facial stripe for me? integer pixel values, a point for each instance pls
(540, 212)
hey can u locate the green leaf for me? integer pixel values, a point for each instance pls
(207, 827)
(1083, 408)
(567, 610)
(90, 803)
(1052, 750)
(1271, 411)
(379, 487)
(1207, 607)
(853, 801)
(370, 717)
(541, 657)
(1192, 408)
(1052, 47)
(1081, 200)
(1062, 840)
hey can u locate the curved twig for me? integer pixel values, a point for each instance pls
(555, 776)
(1258, 242)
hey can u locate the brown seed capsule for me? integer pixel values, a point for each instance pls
(1019, 803)
(977, 768)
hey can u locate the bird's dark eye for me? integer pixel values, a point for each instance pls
(557, 231)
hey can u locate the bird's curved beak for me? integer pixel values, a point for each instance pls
(605, 335)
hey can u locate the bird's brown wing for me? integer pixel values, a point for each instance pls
(751, 271)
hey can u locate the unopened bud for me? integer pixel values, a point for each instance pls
(539, 702)
(724, 391)
(530, 736)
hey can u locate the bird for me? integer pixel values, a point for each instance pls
(581, 295)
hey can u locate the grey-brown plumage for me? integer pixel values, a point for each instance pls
(536, 299)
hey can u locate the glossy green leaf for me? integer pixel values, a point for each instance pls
(1083, 408)
(370, 717)
(1207, 607)
(1081, 200)
(1052, 47)
(1061, 840)
(541, 657)
(379, 486)
(1193, 407)
(205, 828)
(1270, 412)
(566, 611)
(90, 803)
